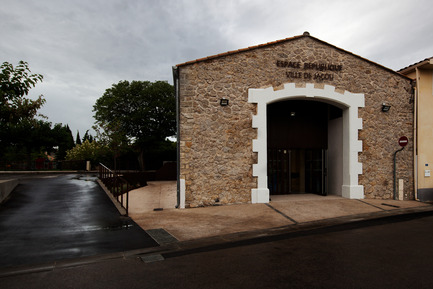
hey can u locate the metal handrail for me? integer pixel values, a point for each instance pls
(116, 184)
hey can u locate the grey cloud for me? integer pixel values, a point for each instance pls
(82, 47)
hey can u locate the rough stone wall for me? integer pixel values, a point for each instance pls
(380, 135)
(216, 155)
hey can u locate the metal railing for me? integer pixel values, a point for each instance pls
(116, 184)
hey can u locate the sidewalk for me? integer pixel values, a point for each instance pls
(283, 210)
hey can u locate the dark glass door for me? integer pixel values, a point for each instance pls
(316, 172)
(296, 171)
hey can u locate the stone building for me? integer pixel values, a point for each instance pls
(293, 116)
(422, 75)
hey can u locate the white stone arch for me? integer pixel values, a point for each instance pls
(348, 102)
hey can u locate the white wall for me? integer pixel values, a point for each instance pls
(335, 156)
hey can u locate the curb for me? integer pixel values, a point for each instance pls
(6, 187)
(120, 209)
(181, 248)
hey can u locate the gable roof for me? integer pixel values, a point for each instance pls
(306, 34)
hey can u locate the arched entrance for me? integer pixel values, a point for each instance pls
(342, 136)
(297, 146)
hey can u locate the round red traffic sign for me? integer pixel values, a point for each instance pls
(403, 141)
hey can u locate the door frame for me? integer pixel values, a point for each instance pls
(352, 146)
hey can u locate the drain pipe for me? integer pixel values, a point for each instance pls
(415, 132)
(395, 170)
(176, 88)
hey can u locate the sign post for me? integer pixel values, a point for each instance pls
(402, 141)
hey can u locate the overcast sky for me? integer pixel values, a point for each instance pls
(82, 47)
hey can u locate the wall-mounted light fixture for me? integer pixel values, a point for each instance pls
(224, 102)
(385, 107)
(292, 113)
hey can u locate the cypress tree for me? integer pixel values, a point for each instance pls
(78, 139)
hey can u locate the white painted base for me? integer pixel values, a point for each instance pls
(259, 196)
(182, 189)
(401, 189)
(353, 192)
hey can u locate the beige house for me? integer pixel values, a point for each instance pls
(293, 116)
(422, 75)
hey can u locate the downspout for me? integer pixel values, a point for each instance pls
(176, 88)
(415, 133)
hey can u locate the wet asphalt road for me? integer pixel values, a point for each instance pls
(55, 217)
(394, 252)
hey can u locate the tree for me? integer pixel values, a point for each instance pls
(141, 111)
(15, 83)
(111, 135)
(63, 140)
(22, 135)
(78, 139)
(17, 113)
(87, 136)
(94, 152)
(28, 140)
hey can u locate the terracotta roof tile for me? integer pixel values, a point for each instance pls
(415, 64)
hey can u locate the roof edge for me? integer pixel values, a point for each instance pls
(415, 65)
(306, 34)
(231, 52)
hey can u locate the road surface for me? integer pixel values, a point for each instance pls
(55, 217)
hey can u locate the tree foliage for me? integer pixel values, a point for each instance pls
(63, 139)
(17, 113)
(141, 110)
(78, 139)
(15, 83)
(89, 151)
(22, 135)
(139, 113)
(87, 136)
(32, 139)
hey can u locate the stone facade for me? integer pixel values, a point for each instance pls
(216, 154)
